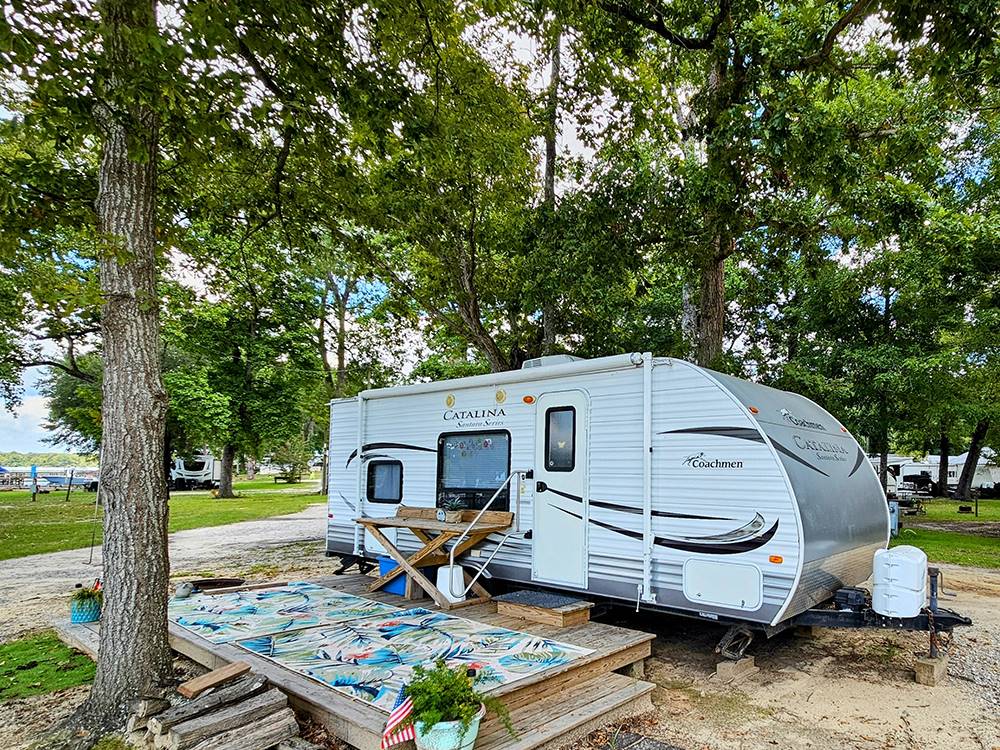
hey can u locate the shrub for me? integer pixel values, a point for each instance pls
(445, 694)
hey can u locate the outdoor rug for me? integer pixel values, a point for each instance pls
(371, 659)
(221, 618)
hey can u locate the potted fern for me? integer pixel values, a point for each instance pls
(447, 709)
(85, 604)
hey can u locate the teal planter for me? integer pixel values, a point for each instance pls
(87, 611)
(448, 735)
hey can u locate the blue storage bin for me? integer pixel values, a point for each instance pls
(398, 584)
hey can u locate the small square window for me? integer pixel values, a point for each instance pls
(385, 482)
(560, 439)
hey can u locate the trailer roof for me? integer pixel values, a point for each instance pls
(545, 372)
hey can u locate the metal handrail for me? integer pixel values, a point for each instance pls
(482, 569)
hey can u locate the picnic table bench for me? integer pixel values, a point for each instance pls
(434, 534)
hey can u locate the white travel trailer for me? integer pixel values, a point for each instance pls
(642, 479)
(203, 471)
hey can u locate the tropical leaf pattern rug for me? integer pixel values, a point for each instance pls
(221, 618)
(371, 659)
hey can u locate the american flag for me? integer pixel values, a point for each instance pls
(390, 735)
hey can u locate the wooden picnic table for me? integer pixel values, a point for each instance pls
(434, 535)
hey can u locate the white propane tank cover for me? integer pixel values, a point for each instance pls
(451, 577)
(900, 581)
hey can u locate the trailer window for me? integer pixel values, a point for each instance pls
(560, 439)
(385, 481)
(471, 466)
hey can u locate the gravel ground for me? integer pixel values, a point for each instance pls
(33, 587)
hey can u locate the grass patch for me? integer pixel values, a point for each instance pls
(112, 742)
(41, 663)
(945, 509)
(52, 523)
(953, 547)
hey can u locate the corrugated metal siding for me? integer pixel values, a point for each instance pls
(341, 479)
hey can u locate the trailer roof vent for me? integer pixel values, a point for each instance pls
(550, 359)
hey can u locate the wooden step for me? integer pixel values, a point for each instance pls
(565, 613)
(562, 716)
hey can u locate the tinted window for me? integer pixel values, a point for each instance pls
(385, 481)
(471, 465)
(560, 439)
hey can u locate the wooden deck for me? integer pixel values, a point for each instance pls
(548, 709)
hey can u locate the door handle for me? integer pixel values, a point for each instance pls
(541, 486)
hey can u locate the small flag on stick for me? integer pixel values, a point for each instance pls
(400, 712)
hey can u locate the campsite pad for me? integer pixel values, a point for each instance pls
(221, 618)
(371, 659)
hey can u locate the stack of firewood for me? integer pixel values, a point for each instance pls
(228, 709)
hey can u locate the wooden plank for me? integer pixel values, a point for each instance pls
(419, 577)
(78, 636)
(428, 525)
(246, 587)
(491, 517)
(200, 684)
(258, 735)
(243, 688)
(551, 722)
(560, 617)
(191, 732)
(430, 514)
(357, 724)
(414, 559)
(576, 671)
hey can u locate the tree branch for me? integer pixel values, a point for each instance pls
(657, 26)
(76, 372)
(857, 12)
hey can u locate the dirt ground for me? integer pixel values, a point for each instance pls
(835, 689)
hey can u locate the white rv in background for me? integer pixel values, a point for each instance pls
(203, 471)
(635, 478)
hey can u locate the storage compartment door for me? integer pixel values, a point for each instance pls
(723, 584)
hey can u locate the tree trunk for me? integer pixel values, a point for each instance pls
(134, 655)
(168, 457)
(944, 447)
(549, 311)
(251, 467)
(712, 305)
(226, 475)
(340, 389)
(972, 461)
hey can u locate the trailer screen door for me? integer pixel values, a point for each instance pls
(559, 531)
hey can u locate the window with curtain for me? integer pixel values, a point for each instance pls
(385, 481)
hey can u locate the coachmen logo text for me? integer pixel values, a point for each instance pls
(698, 461)
(791, 418)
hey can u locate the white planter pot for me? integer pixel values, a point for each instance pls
(448, 735)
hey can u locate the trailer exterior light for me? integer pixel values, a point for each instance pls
(528, 399)
(754, 410)
(843, 429)
(776, 559)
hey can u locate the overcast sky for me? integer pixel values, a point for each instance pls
(24, 432)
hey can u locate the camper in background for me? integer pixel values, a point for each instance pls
(203, 471)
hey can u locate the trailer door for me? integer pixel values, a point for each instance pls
(559, 531)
